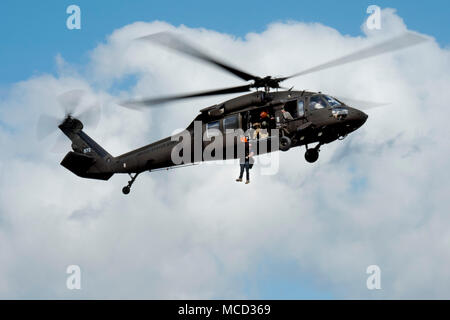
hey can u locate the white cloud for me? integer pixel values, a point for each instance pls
(378, 197)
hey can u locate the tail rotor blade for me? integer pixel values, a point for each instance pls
(70, 100)
(91, 116)
(46, 125)
(61, 144)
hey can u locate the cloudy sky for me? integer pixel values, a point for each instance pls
(379, 197)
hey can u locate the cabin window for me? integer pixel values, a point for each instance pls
(211, 128)
(231, 123)
(300, 108)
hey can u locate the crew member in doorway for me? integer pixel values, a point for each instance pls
(246, 160)
(266, 119)
(286, 115)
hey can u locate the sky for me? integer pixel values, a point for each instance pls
(308, 232)
(33, 34)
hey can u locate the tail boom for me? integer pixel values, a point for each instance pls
(88, 159)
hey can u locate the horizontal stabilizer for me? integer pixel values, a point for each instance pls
(80, 164)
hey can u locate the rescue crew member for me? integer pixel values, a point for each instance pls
(286, 115)
(246, 160)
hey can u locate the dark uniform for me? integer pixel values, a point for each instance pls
(246, 162)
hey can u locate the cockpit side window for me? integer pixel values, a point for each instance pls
(231, 122)
(211, 128)
(317, 102)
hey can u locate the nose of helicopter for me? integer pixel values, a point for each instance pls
(362, 117)
(356, 119)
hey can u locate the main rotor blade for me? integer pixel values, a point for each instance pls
(175, 43)
(403, 41)
(361, 104)
(155, 101)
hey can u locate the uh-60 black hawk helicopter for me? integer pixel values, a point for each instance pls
(301, 117)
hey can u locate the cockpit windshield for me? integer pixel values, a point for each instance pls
(316, 102)
(322, 101)
(331, 101)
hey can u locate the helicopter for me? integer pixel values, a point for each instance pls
(281, 117)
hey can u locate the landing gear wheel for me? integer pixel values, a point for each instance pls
(285, 143)
(311, 155)
(127, 189)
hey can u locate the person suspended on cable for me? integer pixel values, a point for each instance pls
(246, 160)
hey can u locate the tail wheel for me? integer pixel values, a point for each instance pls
(285, 143)
(311, 155)
(127, 188)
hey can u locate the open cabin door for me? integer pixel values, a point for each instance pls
(226, 127)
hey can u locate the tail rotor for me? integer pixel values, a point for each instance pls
(76, 104)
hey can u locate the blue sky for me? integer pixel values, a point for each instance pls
(34, 32)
